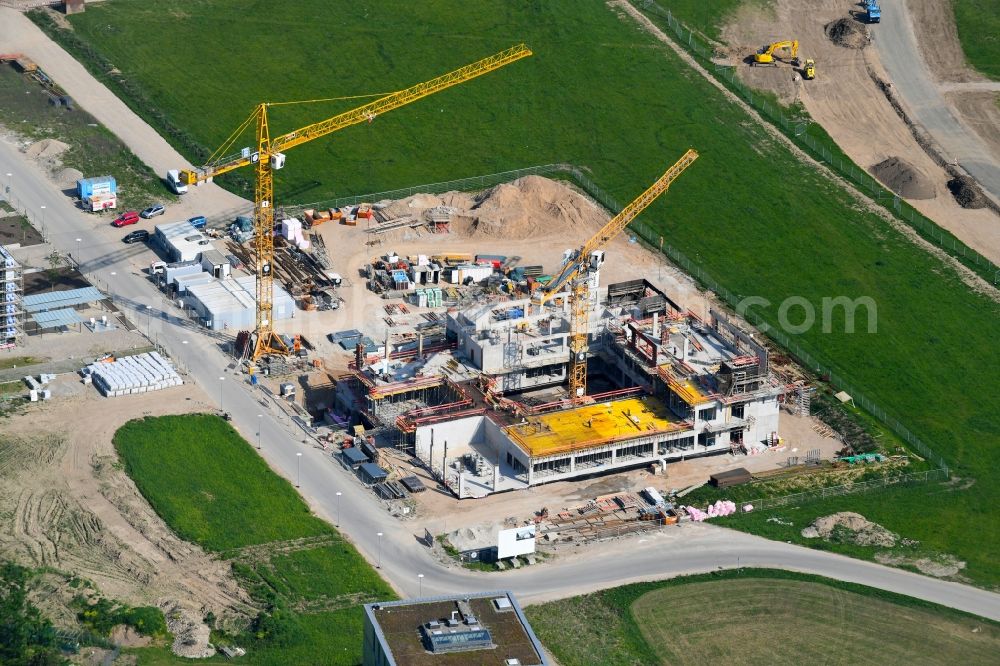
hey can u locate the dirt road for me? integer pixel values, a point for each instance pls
(846, 100)
(20, 35)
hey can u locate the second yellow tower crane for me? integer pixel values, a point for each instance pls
(575, 270)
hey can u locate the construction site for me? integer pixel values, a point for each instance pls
(462, 377)
(470, 342)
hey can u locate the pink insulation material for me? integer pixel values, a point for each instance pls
(719, 509)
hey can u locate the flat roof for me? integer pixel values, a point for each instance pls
(54, 300)
(397, 625)
(354, 455)
(228, 295)
(55, 318)
(373, 471)
(594, 425)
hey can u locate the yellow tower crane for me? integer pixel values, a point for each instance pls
(270, 155)
(579, 273)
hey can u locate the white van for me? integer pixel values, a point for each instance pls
(174, 182)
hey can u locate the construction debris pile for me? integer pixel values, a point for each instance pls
(851, 527)
(967, 192)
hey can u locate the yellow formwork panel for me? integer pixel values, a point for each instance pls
(688, 391)
(593, 425)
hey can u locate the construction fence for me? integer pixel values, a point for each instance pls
(846, 489)
(823, 149)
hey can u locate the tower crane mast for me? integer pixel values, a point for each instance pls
(573, 273)
(270, 155)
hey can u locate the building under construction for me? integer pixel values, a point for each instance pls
(571, 382)
(487, 411)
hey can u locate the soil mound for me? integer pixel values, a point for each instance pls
(903, 178)
(966, 192)
(67, 177)
(532, 206)
(852, 528)
(46, 148)
(848, 33)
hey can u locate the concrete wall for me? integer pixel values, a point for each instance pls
(459, 434)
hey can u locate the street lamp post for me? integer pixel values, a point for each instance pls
(222, 402)
(339, 495)
(260, 424)
(379, 565)
(79, 260)
(10, 188)
(298, 469)
(420, 585)
(42, 225)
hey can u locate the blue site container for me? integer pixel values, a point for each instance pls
(99, 185)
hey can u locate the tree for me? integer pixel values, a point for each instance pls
(26, 637)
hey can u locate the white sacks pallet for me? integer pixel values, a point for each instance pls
(134, 374)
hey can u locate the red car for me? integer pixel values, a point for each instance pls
(126, 218)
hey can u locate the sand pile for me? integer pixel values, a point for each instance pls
(848, 33)
(903, 178)
(474, 537)
(853, 527)
(533, 206)
(46, 148)
(966, 192)
(67, 177)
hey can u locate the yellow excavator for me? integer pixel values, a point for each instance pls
(765, 56)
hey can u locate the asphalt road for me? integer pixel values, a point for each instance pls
(913, 82)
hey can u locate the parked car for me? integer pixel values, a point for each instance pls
(126, 218)
(137, 236)
(198, 221)
(152, 211)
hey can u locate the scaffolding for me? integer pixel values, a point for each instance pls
(11, 306)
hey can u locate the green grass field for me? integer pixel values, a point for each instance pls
(602, 94)
(978, 24)
(756, 617)
(94, 151)
(200, 476)
(704, 17)
(212, 488)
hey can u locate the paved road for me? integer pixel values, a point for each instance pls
(669, 552)
(115, 267)
(913, 82)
